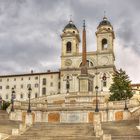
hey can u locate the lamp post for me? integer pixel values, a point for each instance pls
(107, 109)
(125, 107)
(96, 109)
(0, 102)
(29, 95)
(12, 99)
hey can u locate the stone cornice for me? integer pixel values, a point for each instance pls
(91, 68)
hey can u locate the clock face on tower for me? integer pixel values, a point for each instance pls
(68, 62)
(104, 60)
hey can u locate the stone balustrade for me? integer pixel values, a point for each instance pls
(77, 106)
(102, 106)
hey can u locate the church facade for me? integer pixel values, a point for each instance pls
(99, 66)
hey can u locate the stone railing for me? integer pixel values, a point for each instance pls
(116, 105)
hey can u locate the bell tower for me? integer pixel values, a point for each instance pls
(105, 36)
(70, 40)
(105, 56)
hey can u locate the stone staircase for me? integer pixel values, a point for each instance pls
(122, 130)
(57, 131)
(135, 113)
(7, 125)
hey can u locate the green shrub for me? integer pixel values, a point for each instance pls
(5, 105)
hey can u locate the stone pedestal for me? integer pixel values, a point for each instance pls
(85, 81)
(15, 132)
(99, 132)
(97, 118)
(138, 127)
(97, 124)
(22, 127)
(139, 120)
(106, 137)
(126, 114)
(29, 119)
(12, 116)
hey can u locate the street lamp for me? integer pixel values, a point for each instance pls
(107, 109)
(125, 107)
(29, 95)
(12, 99)
(96, 89)
(0, 102)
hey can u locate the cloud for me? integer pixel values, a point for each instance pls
(30, 32)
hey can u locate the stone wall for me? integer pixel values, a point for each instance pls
(76, 110)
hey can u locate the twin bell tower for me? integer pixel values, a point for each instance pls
(82, 71)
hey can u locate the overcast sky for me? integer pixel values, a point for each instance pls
(30, 32)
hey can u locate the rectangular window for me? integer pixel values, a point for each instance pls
(21, 86)
(14, 79)
(21, 96)
(14, 86)
(44, 81)
(29, 78)
(7, 80)
(59, 85)
(6, 96)
(22, 79)
(36, 85)
(51, 84)
(7, 87)
(36, 95)
(0, 80)
(43, 91)
(104, 84)
(0, 87)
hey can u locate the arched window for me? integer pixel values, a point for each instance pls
(104, 84)
(36, 95)
(68, 47)
(104, 44)
(89, 63)
(21, 96)
(67, 85)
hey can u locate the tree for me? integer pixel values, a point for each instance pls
(5, 105)
(121, 87)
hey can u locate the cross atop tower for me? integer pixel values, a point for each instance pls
(104, 18)
(70, 19)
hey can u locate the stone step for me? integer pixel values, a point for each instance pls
(3, 115)
(7, 126)
(46, 131)
(62, 124)
(54, 138)
(129, 137)
(60, 128)
(124, 129)
(64, 133)
(58, 132)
